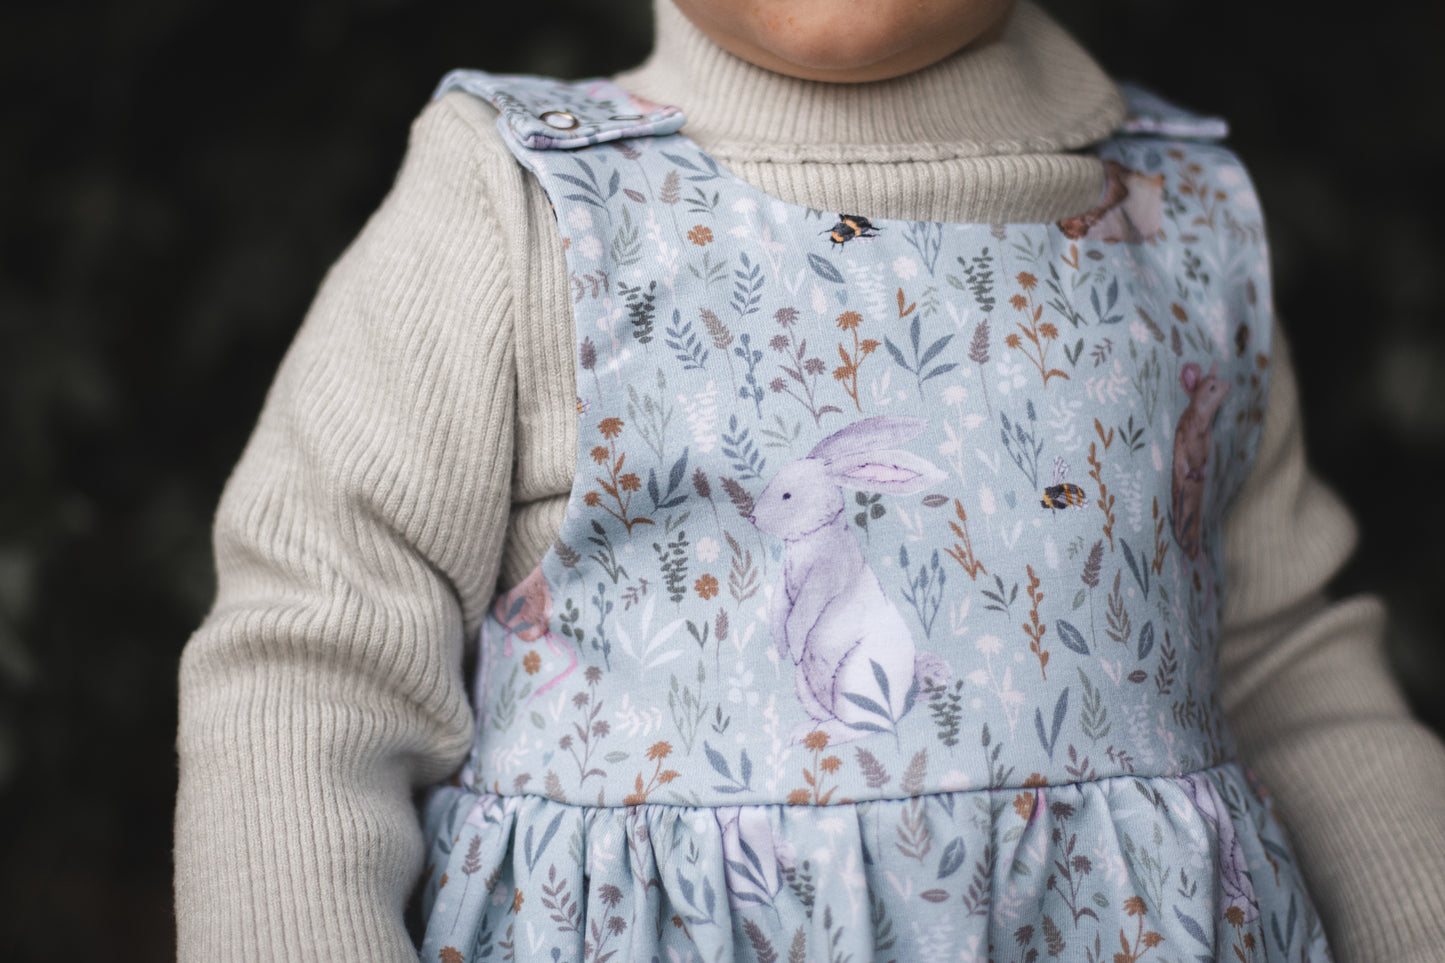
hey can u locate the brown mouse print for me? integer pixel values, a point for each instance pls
(1193, 439)
(1132, 209)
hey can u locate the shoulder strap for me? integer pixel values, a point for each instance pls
(544, 114)
(1152, 115)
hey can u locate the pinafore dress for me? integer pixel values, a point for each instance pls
(883, 622)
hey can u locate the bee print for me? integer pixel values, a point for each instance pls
(1060, 493)
(850, 226)
(583, 406)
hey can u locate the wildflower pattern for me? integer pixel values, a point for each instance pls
(812, 670)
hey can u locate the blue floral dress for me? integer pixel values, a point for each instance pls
(883, 622)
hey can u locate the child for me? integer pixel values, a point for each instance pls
(869, 591)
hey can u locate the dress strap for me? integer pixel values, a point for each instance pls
(1152, 115)
(544, 114)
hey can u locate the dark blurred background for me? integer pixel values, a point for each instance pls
(176, 175)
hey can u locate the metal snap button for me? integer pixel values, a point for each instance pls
(560, 120)
(626, 117)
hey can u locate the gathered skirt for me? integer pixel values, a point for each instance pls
(1126, 869)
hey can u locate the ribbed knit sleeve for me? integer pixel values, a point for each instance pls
(357, 543)
(1358, 783)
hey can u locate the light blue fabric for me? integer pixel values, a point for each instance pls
(883, 621)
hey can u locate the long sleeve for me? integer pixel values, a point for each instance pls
(1358, 783)
(357, 544)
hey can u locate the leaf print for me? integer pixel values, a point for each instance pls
(924, 591)
(927, 239)
(962, 551)
(557, 897)
(626, 243)
(797, 953)
(740, 783)
(671, 189)
(672, 560)
(762, 949)
(914, 839)
(1146, 640)
(533, 856)
(912, 784)
(874, 775)
(1035, 628)
(706, 169)
(1141, 575)
(470, 866)
(642, 644)
(1118, 626)
(824, 269)
(751, 390)
(1024, 447)
(1093, 717)
(1061, 708)
(747, 460)
(946, 707)
(641, 309)
(1072, 638)
(748, 282)
(1105, 501)
(1103, 313)
(922, 357)
(953, 856)
(721, 339)
(685, 345)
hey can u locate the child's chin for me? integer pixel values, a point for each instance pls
(829, 40)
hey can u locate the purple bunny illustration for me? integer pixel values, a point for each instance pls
(1236, 889)
(856, 667)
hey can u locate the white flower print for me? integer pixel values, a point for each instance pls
(1010, 374)
(707, 548)
(905, 267)
(589, 247)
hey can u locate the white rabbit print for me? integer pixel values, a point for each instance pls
(857, 670)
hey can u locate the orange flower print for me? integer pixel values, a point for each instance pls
(1024, 805)
(706, 586)
(517, 901)
(699, 235)
(617, 486)
(532, 663)
(817, 740)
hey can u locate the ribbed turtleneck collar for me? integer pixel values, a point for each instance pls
(1033, 90)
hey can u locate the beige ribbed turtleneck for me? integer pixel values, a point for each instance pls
(419, 443)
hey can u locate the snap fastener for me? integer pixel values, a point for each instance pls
(560, 120)
(626, 117)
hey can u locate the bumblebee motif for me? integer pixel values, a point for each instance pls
(850, 226)
(583, 406)
(1061, 493)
